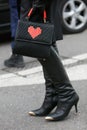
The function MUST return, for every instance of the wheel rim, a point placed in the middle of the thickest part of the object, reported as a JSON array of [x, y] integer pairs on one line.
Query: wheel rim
[[75, 14]]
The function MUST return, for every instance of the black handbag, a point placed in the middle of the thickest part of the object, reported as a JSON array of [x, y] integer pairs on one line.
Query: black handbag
[[33, 39]]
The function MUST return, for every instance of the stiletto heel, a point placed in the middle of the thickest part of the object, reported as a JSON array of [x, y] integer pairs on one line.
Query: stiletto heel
[[63, 110], [76, 109]]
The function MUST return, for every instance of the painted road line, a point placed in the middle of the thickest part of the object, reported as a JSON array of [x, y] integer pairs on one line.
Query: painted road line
[[5, 76], [30, 71], [34, 75], [75, 73], [80, 57], [39, 68], [69, 61], [65, 62], [75, 59]]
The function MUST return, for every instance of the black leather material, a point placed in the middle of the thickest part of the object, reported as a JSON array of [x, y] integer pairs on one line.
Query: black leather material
[[67, 97], [38, 46], [39, 3], [63, 108], [50, 102], [51, 97], [55, 68]]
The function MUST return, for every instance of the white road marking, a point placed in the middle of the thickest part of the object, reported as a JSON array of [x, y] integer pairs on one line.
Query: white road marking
[[80, 57], [35, 75], [75, 59]]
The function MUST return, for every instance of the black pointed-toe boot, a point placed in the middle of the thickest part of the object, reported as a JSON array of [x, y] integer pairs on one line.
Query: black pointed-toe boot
[[51, 95], [50, 100], [67, 97]]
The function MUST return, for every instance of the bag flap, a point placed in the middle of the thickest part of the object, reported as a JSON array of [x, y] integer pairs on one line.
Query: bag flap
[[35, 32]]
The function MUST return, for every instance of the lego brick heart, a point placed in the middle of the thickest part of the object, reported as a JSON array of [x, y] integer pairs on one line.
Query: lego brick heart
[[34, 32]]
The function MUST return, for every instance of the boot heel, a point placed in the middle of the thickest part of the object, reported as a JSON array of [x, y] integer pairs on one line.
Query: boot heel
[[76, 109]]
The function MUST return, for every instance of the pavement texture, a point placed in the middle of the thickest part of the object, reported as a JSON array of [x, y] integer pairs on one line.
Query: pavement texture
[[22, 90], [17, 101]]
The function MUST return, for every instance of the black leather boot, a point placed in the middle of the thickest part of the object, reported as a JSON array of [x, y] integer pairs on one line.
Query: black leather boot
[[50, 100], [67, 97], [51, 96]]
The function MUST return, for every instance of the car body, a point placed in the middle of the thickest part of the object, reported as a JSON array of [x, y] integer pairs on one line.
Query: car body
[[4, 17], [73, 16]]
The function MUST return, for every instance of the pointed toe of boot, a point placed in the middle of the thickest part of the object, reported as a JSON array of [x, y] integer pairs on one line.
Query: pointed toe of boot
[[31, 113], [48, 118], [38, 112]]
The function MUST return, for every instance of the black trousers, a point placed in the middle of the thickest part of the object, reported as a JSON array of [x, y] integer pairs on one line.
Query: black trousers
[[18, 7]]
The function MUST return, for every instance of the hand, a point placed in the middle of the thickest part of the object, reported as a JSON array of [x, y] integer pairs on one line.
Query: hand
[[39, 4]]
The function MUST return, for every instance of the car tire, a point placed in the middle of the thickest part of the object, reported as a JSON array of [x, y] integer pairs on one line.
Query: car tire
[[73, 15]]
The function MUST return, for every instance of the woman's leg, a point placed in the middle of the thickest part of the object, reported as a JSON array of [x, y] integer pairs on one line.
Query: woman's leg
[[51, 97], [50, 100], [67, 97]]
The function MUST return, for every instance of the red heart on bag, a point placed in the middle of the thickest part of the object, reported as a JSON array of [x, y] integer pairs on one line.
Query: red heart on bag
[[34, 32]]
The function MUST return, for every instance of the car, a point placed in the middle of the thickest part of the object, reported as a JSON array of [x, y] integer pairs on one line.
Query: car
[[4, 17], [73, 15]]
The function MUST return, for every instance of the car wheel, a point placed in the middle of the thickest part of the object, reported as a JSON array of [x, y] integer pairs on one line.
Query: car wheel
[[74, 15]]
